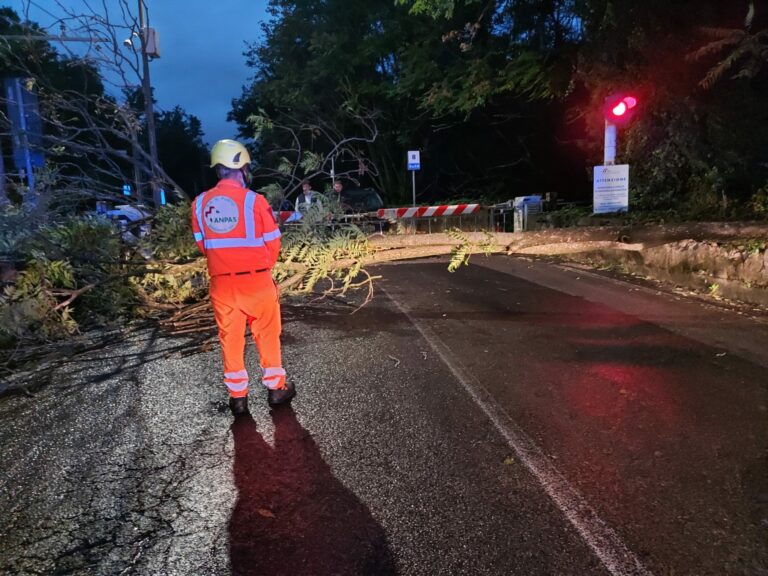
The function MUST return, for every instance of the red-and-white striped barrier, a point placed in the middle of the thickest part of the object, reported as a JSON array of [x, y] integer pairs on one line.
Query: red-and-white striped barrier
[[428, 211]]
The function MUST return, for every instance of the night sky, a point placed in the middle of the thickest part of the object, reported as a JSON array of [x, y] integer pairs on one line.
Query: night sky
[[202, 67]]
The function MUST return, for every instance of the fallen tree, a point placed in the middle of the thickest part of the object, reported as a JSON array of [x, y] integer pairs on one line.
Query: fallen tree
[[56, 298], [341, 262], [325, 261]]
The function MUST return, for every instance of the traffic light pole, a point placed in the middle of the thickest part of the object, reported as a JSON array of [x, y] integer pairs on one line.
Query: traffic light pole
[[618, 109], [609, 148]]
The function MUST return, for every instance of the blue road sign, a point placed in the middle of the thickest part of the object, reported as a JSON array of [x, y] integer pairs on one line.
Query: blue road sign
[[414, 160]]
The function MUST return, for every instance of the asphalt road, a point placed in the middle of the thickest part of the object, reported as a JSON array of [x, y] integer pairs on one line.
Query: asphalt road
[[512, 418]]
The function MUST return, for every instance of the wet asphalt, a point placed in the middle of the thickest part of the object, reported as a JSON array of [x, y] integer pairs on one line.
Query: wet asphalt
[[512, 418]]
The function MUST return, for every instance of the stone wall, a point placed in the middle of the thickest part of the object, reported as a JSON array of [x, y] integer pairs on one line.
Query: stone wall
[[736, 270]]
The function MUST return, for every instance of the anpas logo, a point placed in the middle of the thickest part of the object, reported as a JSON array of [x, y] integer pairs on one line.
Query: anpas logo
[[221, 214]]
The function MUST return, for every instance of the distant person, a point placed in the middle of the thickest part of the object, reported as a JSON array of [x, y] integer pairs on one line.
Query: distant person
[[235, 229], [307, 198], [338, 188]]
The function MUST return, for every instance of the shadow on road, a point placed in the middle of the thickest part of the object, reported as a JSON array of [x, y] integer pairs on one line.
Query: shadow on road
[[292, 516]]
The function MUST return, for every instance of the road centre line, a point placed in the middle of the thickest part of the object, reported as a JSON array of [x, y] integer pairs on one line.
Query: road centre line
[[607, 545]]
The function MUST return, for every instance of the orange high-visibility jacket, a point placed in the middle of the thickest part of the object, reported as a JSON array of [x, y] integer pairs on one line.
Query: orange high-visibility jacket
[[235, 229]]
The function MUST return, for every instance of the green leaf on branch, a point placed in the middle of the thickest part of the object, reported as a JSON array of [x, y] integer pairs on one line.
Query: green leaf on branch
[[433, 8], [311, 161], [285, 166], [460, 253], [271, 192]]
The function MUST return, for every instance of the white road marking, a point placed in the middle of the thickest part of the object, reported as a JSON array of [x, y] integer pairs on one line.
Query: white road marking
[[607, 545]]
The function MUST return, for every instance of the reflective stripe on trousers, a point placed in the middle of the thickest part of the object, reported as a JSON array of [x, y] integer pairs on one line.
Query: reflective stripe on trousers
[[236, 381], [274, 378], [250, 299]]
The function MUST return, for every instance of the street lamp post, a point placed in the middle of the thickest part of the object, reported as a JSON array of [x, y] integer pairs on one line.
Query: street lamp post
[[148, 104]]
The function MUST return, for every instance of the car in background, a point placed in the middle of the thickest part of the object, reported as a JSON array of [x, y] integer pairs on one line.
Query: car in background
[[360, 206], [132, 221], [360, 200]]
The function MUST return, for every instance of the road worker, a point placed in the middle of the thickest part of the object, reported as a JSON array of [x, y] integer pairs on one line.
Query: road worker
[[236, 231]]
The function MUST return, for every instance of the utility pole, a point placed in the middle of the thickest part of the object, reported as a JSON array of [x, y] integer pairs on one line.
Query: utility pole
[[609, 143], [136, 164], [149, 108]]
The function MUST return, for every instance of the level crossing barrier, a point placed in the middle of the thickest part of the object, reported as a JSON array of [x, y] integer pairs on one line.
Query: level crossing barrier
[[429, 211], [519, 209], [414, 215]]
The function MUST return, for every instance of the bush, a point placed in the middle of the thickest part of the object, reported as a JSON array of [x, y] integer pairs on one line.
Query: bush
[[759, 202], [15, 228], [174, 277], [171, 235], [702, 156], [29, 308], [566, 216], [73, 273]]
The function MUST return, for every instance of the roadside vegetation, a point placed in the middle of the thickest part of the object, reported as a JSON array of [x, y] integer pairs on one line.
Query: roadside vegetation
[[502, 98]]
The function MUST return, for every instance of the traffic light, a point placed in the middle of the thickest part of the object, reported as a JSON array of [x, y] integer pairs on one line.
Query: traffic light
[[619, 108]]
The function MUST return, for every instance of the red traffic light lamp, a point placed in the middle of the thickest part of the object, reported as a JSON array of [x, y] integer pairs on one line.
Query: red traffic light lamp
[[619, 108]]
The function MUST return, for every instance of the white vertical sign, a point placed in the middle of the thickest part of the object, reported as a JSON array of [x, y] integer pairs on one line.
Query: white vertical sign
[[610, 191], [414, 160]]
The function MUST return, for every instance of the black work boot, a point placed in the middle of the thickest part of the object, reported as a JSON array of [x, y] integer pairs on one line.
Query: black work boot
[[239, 406], [281, 395]]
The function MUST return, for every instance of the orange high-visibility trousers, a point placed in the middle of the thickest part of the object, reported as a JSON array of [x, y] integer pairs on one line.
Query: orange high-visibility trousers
[[253, 300]]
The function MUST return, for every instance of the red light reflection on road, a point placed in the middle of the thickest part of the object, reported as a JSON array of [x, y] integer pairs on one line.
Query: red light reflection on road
[[588, 318], [637, 341], [610, 391]]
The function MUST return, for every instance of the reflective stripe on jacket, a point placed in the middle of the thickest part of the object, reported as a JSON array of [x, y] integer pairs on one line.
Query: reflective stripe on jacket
[[235, 229]]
